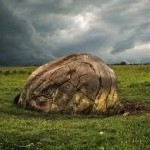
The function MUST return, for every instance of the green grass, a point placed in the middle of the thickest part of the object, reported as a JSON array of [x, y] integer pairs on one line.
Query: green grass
[[133, 82], [25, 129]]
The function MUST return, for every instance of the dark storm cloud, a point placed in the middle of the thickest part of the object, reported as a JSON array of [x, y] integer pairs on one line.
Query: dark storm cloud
[[17, 42], [12, 32], [34, 31]]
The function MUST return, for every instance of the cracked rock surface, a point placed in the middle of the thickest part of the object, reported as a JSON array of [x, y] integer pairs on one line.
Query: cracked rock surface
[[78, 83]]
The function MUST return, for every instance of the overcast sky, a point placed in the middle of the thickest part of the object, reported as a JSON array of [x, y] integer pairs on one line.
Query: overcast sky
[[36, 31]]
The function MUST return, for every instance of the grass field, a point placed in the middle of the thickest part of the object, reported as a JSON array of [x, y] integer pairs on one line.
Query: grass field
[[24, 129]]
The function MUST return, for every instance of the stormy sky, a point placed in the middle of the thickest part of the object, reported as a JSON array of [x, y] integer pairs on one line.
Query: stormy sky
[[36, 31]]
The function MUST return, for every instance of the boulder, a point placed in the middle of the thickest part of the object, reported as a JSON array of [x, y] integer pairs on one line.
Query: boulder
[[75, 84]]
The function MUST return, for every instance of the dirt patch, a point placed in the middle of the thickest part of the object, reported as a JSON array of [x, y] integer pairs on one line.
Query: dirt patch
[[130, 108]]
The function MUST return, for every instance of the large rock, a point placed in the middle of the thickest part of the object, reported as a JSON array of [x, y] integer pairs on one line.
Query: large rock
[[78, 83]]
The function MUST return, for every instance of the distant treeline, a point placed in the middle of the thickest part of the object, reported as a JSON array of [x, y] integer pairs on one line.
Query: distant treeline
[[37, 65], [10, 72], [22, 65], [124, 63]]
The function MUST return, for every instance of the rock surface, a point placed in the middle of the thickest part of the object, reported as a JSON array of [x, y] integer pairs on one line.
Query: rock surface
[[78, 83]]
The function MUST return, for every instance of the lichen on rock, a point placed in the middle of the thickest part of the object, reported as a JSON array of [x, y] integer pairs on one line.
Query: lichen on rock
[[78, 83]]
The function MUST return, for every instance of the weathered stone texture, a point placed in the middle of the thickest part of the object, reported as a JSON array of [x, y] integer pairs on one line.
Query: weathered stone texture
[[78, 83]]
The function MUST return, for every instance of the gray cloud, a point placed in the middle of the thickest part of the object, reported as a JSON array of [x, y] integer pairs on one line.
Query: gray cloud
[[18, 40], [35, 31]]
